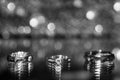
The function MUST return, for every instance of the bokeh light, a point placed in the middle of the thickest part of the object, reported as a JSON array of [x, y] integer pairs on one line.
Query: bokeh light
[[3, 1], [78, 3], [58, 46], [20, 11], [88, 45], [11, 6], [34, 22], [44, 42], [98, 29], [90, 15], [41, 19], [26, 43], [37, 21], [5, 34], [116, 51], [51, 26], [50, 31], [116, 6], [41, 54], [24, 30]]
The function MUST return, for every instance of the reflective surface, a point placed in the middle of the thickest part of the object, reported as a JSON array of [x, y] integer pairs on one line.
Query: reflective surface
[[45, 48]]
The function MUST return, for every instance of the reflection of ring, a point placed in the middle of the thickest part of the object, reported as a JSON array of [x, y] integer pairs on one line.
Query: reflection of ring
[[19, 56]]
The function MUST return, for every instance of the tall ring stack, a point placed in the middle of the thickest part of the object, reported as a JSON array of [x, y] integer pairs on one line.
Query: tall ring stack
[[100, 64], [20, 64], [57, 63]]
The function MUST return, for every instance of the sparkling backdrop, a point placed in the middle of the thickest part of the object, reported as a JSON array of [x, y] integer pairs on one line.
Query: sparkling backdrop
[[52, 27]]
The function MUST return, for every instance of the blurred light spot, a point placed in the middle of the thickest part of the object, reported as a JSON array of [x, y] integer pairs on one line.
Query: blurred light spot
[[26, 43], [77, 3], [34, 22], [50, 33], [11, 6], [58, 45], [44, 42], [51, 26], [20, 11], [5, 34], [116, 6], [35, 3], [41, 19], [27, 30], [3, 1], [90, 15], [116, 51], [41, 54], [12, 44], [88, 45], [24, 30], [37, 20], [99, 29]]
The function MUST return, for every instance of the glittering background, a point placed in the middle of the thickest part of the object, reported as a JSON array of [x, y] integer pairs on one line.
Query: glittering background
[[48, 27]]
